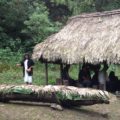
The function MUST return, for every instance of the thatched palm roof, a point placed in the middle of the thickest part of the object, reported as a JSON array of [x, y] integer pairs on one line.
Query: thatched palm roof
[[91, 38]]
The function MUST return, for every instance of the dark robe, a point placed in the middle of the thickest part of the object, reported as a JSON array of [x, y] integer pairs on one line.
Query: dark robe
[[29, 64]]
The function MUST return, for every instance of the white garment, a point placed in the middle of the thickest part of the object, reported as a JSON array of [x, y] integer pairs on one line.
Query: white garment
[[27, 78], [25, 64], [102, 77]]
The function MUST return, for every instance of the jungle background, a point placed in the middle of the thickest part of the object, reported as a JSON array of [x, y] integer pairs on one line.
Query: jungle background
[[24, 23]]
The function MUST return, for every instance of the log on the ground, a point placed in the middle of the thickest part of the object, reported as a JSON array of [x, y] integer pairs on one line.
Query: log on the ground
[[63, 95]]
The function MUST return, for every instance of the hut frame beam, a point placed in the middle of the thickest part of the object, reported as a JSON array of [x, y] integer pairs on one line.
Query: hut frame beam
[[61, 71], [46, 73]]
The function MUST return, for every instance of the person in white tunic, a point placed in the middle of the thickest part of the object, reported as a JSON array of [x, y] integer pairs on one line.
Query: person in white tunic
[[27, 65], [103, 77]]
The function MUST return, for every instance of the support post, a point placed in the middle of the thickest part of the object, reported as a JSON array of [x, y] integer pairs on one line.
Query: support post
[[79, 71], [61, 70], [46, 73]]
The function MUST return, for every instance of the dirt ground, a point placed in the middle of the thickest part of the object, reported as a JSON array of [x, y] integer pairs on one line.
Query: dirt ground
[[17, 111]]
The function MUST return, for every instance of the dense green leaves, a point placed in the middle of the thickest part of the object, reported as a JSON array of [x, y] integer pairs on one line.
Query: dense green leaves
[[78, 6], [17, 90], [39, 25], [24, 23]]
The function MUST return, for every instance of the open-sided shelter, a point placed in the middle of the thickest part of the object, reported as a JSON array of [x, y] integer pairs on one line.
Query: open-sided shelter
[[91, 38]]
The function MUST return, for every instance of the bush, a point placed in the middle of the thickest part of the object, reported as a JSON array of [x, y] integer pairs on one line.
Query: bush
[[9, 57]]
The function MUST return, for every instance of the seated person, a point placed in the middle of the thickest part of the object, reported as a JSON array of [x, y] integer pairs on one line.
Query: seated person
[[112, 84], [84, 76], [65, 75], [95, 82]]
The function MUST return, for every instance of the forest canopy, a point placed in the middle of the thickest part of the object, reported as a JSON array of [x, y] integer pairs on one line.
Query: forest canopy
[[24, 23]]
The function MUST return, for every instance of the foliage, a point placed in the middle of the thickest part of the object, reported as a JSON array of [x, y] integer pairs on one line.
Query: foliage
[[112, 4], [12, 15], [17, 90], [29, 16], [23, 23], [6, 55], [77, 96], [39, 25], [79, 6]]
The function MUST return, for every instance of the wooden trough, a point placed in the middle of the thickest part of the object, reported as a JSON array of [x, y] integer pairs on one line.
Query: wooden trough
[[62, 95]]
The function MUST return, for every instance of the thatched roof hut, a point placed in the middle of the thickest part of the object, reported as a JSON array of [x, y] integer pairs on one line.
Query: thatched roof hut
[[88, 38]]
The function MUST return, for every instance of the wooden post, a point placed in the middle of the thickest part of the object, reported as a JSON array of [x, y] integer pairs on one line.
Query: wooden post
[[79, 84], [46, 73], [79, 70], [61, 70]]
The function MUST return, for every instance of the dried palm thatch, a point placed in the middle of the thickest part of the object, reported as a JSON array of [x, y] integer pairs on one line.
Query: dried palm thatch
[[63, 95], [89, 38]]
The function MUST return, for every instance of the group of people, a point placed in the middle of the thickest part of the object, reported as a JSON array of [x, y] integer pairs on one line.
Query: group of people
[[99, 78], [93, 76]]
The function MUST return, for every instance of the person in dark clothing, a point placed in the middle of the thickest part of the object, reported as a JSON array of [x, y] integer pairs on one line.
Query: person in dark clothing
[[112, 84], [84, 76], [27, 64], [65, 72], [65, 75], [95, 82]]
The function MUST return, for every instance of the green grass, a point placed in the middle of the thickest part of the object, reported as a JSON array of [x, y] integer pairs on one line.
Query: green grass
[[13, 74]]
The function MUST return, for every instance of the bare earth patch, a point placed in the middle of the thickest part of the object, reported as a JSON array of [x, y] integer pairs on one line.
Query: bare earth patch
[[43, 112]]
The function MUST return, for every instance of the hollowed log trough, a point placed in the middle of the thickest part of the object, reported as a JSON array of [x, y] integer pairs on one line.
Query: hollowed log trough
[[62, 95]]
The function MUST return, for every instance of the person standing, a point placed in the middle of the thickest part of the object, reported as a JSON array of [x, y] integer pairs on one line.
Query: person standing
[[27, 64], [103, 77]]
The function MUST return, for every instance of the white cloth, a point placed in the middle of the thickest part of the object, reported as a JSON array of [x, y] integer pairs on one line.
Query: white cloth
[[102, 77], [26, 64], [27, 78]]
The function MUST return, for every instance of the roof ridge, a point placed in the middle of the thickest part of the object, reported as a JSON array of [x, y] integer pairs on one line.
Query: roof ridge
[[96, 14]]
